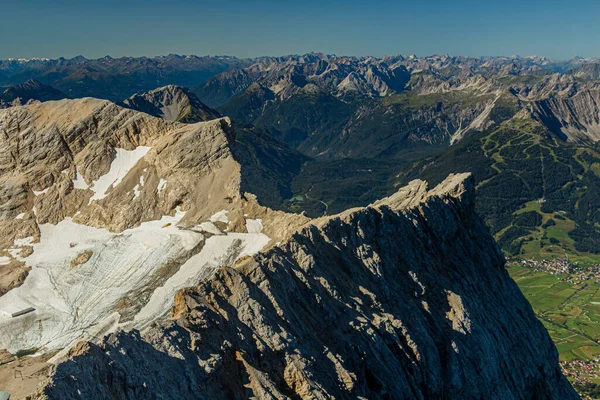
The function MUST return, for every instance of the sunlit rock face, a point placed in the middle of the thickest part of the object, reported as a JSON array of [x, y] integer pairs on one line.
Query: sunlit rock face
[[106, 212], [407, 298]]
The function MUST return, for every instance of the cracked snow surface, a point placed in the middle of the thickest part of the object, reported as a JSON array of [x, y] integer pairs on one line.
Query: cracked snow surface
[[74, 300]]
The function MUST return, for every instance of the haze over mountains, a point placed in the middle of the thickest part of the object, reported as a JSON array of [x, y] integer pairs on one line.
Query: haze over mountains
[[124, 181]]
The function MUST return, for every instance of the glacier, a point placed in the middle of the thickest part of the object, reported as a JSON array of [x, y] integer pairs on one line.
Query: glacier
[[85, 300]]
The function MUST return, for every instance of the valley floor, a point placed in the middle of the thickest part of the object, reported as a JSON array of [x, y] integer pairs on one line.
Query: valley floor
[[567, 301]]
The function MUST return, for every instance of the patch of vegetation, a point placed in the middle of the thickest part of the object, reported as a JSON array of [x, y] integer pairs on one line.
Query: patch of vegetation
[[293, 120], [522, 79], [331, 187], [268, 166], [512, 239], [590, 389], [530, 219], [416, 100]]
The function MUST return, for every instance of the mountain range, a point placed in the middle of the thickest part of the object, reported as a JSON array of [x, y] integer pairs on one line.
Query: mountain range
[[29, 90], [355, 126], [115, 78], [307, 226]]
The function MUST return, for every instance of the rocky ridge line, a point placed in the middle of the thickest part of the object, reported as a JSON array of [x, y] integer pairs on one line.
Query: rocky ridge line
[[406, 298]]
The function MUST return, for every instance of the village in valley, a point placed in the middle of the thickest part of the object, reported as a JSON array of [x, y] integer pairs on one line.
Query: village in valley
[[573, 272], [565, 296]]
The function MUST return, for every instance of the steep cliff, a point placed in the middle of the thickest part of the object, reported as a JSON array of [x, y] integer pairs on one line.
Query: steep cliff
[[407, 298]]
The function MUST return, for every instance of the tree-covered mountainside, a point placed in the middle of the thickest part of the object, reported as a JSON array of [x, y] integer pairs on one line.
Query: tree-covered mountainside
[[539, 195], [268, 166], [403, 126], [526, 131], [291, 120]]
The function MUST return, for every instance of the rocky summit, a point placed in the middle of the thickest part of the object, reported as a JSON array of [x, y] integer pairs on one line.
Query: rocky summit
[[172, 103], [406, 298]]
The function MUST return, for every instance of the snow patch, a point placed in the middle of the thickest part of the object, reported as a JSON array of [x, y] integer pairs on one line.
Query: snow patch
[[79, 182], [41, 192], [4, 260], [137, 188], [254, 225], [20, 216], [83, 301], [123, 162], [28, 241], [208, 227], [161, 185], [221, 216], [70, 300], [217, 251], [15, 253]]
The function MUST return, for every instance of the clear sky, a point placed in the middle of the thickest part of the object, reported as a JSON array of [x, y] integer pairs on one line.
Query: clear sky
[[54, 28]]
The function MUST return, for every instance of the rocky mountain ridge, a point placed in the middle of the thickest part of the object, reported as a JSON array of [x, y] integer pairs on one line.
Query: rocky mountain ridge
[[332, 107], [30, 90], [341, 310]]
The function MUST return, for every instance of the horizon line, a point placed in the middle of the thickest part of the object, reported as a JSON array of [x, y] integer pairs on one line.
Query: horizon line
[[80, 56]]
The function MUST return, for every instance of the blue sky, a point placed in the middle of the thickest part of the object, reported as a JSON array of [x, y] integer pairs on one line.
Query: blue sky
[[42, 28]]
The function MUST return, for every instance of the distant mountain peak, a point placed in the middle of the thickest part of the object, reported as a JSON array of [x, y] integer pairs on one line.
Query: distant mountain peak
[[172, 103], [31, 89]]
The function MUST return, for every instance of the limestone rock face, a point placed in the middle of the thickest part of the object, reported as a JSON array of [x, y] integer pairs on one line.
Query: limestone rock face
[[52, 153], [106, 212], [110, 167], [407, 298], [574, 118]]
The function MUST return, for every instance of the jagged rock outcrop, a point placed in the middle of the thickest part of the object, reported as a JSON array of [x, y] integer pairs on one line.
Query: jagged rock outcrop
[[407, 298], [172, 103], [54, 154], [287, 76]]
